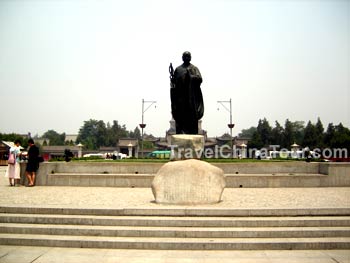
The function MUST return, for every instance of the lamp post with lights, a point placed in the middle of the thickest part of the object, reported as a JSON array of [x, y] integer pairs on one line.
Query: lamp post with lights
[[142, 124], [230, 125]]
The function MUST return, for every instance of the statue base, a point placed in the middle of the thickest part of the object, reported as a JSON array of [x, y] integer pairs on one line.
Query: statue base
[[186, 146]]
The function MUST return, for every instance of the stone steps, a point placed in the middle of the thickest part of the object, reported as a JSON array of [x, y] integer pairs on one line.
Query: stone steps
[[177, 221], [176, 228], [145, 180], [178, 232], [178, 211], [176, 243]]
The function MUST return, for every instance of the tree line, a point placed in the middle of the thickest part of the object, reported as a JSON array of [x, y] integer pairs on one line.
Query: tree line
[[93, 134], [11, 137], [312, 135], [96, 133]]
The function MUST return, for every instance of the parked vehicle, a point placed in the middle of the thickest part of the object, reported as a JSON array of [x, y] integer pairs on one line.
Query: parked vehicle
[[165, 154], [97, 155]]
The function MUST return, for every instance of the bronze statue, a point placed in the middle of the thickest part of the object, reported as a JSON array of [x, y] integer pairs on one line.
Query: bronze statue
[[187, 105]]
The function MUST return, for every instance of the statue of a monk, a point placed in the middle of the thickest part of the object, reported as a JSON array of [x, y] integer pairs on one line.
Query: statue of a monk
[[187, 105]]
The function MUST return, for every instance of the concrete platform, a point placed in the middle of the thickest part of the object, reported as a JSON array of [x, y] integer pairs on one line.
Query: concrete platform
[[314, 211], [232, 180], [251, 175]]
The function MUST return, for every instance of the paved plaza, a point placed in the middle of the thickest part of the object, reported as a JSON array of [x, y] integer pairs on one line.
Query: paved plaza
[[104, 197], [59, 255]]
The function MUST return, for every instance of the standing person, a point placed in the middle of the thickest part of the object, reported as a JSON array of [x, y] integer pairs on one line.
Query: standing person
[[13, 171], [33, 162]]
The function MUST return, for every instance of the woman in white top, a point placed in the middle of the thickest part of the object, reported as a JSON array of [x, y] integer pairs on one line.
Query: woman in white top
[[13, 171]]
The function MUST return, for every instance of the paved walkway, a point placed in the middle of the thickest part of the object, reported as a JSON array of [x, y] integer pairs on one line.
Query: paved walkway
[[104, 197], [110, 197], [80, 255]]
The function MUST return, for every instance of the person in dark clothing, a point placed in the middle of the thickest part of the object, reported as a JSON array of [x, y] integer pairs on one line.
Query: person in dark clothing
[[33, 162], [68, 155]]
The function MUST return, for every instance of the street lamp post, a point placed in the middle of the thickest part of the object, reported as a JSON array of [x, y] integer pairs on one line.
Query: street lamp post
[[230, 125], [142, 124]]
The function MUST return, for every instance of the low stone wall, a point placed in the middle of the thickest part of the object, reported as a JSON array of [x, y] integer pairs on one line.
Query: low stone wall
[[50, 168], [101, 167], [335, 168], [269, 167], [245, 174], [152, 168]]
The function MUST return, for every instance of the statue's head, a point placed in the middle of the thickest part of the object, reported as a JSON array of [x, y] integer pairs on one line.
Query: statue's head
[[186, 57]]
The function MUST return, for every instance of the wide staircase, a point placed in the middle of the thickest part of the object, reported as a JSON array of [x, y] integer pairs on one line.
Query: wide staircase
[[177, 228], [183, 228]]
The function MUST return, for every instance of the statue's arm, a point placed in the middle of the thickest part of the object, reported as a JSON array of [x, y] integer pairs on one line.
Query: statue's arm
[[195, 74]]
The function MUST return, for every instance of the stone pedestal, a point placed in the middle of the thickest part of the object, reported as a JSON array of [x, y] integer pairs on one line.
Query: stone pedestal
[[188, 182], [186, 146]]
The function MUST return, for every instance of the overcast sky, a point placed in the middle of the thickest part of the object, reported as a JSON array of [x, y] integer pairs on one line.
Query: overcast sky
[[64, 62]]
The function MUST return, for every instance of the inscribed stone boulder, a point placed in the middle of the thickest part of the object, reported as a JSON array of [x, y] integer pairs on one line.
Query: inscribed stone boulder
[[188, 182]]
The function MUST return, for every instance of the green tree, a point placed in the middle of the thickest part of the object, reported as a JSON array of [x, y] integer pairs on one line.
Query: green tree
[[277, 134], [54, 137], [293, 132], [328, 136], [319, 133], [256, 141], [247, 133], [109, 135], [288, 135], [265, 132], [148, 145], [298, 131], [341, 137], [11, 137], [70, 143], [93, 134], [118, 132], [101, 134], [135, 134], [310, 136]]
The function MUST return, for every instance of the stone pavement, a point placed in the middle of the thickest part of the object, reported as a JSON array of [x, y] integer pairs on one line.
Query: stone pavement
[[80, 255], [104, 197]]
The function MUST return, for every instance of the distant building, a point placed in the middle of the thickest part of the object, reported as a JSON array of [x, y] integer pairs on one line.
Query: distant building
[[71, 138], [42, 141], [50, 152], [125, 144]]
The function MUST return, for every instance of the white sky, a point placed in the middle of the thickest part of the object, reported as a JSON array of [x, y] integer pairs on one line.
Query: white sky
[[64, 62]]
